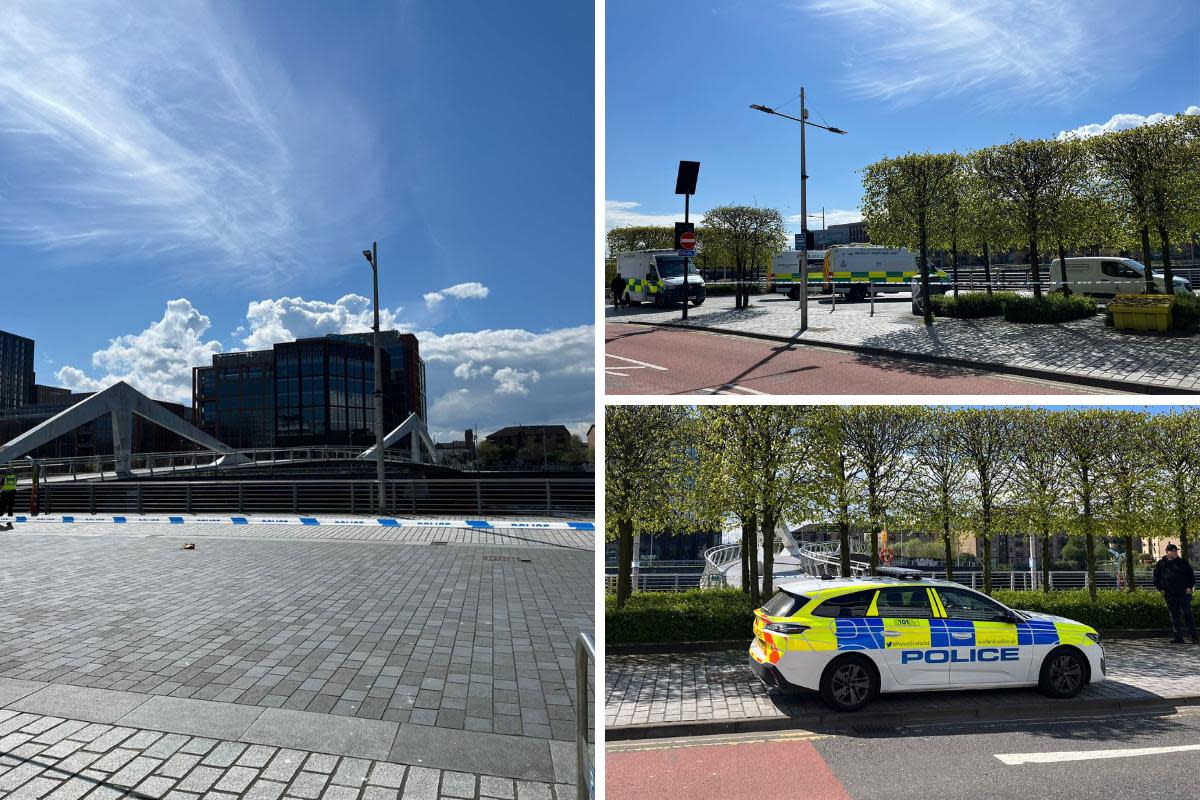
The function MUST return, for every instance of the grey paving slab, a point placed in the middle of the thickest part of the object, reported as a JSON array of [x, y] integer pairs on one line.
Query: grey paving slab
[[193, 717], [12, 689], [79, 702], [489, 753], [303, 730]]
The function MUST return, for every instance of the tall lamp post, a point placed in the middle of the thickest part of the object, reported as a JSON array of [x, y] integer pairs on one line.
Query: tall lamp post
[[372, 257], [803, 120]]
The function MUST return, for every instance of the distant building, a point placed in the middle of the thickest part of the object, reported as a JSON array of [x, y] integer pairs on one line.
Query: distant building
[[54, 396], [458, 454], [93, 438], [16, 370], [309, 392], [844, 233], [553, 438]]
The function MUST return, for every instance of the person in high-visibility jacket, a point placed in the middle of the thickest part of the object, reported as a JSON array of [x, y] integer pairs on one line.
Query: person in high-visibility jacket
[[8, 493]]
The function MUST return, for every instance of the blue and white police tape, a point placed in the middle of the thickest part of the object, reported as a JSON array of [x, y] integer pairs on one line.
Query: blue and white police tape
[[380, 522]]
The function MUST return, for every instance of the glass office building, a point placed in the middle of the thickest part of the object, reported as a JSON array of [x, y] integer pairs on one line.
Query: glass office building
[[310, 392], [16, 370]]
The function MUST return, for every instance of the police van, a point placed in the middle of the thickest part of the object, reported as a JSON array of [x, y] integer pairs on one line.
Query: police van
[[851, 638], [656, 276]]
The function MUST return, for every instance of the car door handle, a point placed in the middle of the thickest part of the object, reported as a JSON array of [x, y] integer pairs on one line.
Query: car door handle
[[891, 633], [962, 635]]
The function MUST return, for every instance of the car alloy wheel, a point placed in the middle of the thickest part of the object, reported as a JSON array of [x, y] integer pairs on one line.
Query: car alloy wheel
[[850, 684], [1066, 673]]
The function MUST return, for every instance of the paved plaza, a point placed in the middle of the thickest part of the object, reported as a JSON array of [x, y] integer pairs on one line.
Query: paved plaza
[[1082, 349], [718, 687], [433, 647]]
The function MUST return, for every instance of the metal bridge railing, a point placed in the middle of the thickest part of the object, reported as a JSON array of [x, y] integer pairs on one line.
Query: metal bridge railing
[[659, 582], [585, 761], [403, 496]]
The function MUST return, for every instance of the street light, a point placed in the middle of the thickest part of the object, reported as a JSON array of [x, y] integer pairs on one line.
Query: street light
[[372, 257], [803, 120]]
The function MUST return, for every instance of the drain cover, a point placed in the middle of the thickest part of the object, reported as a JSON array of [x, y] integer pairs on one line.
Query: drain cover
[[431, 544], [507, 558]]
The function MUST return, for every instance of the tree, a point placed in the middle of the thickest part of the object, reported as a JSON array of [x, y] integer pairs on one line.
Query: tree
[[879, 441], [986, 218], [639, 237], [835, 486], [984, 439], [644, 472], [1030, 176], [1085, 437], [903, 201], [743, 236], [950, 229], [1174, 441], [1038, 483], [1126, 481], [937, 488]]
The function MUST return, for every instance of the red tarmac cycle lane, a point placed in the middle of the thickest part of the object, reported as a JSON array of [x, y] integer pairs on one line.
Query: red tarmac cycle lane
[[771, 770], [646, 360]]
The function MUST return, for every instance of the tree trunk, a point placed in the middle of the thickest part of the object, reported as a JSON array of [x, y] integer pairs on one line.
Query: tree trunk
[[1168, 273], [954, 261], [987, 565], [1089, 540], [755, 587], [987, 267], [1046, 553], [768, 537], [1035, 267], [624, 561], [1062, 261], [1147, 259], [745, 558], [875, 528], [927, 307], [1129, 580], [946, 535]]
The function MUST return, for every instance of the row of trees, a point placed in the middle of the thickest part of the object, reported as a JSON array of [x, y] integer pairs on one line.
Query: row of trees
[[1095, 474], [1115, 191]]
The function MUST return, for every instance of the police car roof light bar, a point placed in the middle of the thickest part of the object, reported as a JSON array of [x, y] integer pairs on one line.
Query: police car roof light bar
[[899, 572]]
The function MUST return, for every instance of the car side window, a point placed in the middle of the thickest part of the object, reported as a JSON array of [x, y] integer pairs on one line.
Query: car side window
[[1110, 268], [904, 601], [854, 604], [965, 604]]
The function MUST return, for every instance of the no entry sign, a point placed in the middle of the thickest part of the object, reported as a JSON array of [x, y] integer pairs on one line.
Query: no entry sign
[[687, 240]]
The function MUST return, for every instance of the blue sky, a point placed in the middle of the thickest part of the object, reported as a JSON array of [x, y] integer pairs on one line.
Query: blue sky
[[187, 178], [899, 76]]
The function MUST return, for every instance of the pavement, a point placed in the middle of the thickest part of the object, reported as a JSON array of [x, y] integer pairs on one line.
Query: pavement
[[649, 696], [667, 361], [1081, 351], [444, 650]]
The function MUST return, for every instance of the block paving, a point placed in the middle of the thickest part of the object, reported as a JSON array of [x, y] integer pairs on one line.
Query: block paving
[[63, 759], [1081, 348]]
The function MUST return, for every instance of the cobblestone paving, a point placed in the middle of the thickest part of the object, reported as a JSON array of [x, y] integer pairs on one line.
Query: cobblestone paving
[[467, 638], [1079, 348], [524, 537], [691, 687], [64, 759]]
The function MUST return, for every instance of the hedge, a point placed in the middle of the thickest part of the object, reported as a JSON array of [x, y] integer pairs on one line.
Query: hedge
[[700, 615], [1052, 307], [970, 305]]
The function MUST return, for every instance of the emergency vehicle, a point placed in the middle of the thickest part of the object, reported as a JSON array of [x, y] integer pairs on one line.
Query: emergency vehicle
[[657, 276], [785, 272], [852, 638], [853, 269]]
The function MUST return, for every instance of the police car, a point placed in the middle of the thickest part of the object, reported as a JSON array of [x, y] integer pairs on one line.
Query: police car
[[852, 638]]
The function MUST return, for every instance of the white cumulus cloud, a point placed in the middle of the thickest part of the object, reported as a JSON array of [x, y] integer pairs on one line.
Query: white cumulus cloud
[[286, 318], [513, 381], [1121, 122], [157, 361], [473, 290], [623, 213]]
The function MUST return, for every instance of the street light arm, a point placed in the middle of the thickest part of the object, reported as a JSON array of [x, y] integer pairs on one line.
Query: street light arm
[[767, 110]]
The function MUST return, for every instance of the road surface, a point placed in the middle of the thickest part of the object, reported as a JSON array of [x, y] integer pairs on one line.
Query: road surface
[[1136, 756], [646, 360]]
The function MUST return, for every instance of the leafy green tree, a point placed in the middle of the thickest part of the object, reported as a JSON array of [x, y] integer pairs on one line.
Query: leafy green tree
[[1038, 480], [987, 219], [743, 237], [646, 468], [836, 488], [1127, 482], [903, 202], [879, 442], [985, 439], [1086, 440], [1030, 176], [640, 237], [1174, 441], [937, 488]]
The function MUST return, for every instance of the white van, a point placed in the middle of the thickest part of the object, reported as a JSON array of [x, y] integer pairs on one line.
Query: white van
[[1109, 276], [657, 276]]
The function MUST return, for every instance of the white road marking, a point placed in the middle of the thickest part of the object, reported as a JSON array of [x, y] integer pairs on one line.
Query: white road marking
[[632, 364], [731, 388], [1014, 759]]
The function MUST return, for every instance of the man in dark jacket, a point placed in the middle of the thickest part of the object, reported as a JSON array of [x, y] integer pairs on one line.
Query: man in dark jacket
[[1173, 576], [618, 290]]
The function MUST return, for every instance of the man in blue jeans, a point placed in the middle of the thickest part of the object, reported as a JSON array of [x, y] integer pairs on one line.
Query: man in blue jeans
[[1173, 576]]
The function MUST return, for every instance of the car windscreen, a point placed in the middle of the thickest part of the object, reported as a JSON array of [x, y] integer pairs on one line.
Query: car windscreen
[[784, 604], [672, 266]]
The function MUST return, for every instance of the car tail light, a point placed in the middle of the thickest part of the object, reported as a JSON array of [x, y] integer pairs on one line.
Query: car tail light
[[786, 627]]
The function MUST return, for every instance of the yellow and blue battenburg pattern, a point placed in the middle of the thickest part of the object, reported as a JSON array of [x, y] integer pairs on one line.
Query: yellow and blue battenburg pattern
[[640, 284]]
